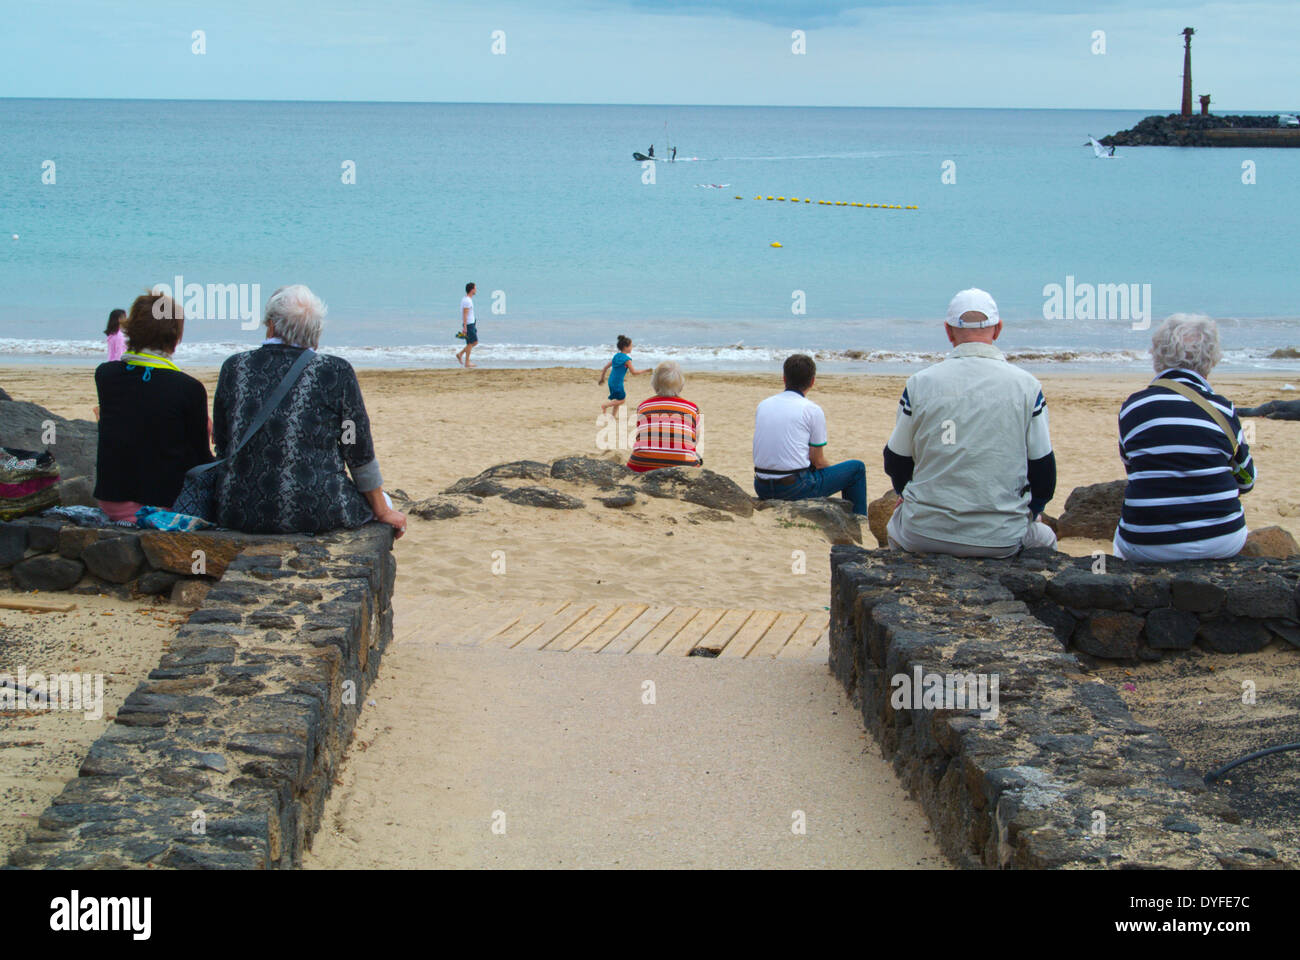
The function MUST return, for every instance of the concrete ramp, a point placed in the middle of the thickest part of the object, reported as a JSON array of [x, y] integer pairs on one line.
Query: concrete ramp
[[482, 749]]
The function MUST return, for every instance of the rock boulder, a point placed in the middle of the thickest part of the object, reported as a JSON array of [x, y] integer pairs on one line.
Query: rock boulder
[[698, 486], [589, 470], [619, 498], [1092, 511], [175, 551], [117, 560], [879, 511], [26, 425], [1270, 542], [543, 497], [47, 572], [480, 486], [435, 508], [840, 525]]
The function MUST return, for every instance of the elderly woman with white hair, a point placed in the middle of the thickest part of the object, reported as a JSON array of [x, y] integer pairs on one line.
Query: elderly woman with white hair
[[1186, 458], [290, 477], [667, 425]]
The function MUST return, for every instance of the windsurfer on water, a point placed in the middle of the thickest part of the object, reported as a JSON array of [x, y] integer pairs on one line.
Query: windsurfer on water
[[652, 151]]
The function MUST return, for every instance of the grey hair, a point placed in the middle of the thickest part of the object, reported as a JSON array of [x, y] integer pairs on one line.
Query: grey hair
[[1189, 341], [667, 380], [296, 315]]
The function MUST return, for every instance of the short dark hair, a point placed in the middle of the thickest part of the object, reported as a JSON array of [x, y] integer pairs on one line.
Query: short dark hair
[[624, 342], [114, 322], [799, 371], [155, 323], [469, 287]]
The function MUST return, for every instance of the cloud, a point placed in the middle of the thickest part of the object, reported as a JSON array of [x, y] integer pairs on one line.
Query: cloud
[[778, 12]]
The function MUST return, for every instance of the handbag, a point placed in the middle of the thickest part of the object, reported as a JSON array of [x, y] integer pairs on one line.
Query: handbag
[[1183, 390], [198, 492]]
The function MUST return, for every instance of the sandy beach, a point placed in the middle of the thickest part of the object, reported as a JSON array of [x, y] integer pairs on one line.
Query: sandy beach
[[434, 427], [40, 749]]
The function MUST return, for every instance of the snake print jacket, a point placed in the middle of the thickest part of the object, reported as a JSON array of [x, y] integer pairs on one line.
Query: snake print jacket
[[290, 477]]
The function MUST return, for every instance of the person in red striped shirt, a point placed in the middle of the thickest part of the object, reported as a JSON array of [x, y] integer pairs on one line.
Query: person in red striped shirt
[[667, 426]]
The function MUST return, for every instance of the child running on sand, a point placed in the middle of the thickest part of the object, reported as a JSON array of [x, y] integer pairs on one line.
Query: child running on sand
[[618, 368]]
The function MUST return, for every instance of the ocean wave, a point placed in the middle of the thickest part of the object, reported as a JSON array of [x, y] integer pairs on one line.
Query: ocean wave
[[736, 355]]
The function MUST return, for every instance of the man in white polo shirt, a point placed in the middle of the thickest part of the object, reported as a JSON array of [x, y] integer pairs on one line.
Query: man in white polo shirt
[[468, 328], [790, 446], [971, 455]]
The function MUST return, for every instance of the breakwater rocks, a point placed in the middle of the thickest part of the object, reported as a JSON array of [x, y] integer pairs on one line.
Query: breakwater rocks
[[1058, 773], [1175, 130], [224, 756]]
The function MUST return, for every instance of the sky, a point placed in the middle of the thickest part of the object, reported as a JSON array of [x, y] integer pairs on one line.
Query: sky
[[922, 53]]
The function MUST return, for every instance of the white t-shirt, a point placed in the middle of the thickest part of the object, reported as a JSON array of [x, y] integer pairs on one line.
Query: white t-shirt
[[785, 426], [970, 423], [466, 303]]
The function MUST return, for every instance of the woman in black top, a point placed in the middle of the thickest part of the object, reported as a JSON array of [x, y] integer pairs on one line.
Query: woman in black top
[[153, 419], [292, 476]]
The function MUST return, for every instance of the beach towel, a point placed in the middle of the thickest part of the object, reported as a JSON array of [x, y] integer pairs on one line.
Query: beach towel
[[81, 516], [28, 482], [155, 518]]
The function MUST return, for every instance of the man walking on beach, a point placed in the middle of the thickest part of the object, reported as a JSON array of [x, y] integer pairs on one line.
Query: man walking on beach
[[971, 455], [790, 446], [467, 325]]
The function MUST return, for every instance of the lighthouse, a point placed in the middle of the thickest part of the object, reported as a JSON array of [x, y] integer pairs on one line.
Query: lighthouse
[[1187, 71]]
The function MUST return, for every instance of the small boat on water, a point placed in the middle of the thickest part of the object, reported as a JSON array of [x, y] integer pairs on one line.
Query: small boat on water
[[640, 157], [670, 152]]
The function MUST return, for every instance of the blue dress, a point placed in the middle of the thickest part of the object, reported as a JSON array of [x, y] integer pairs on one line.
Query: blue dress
[[617, 372]]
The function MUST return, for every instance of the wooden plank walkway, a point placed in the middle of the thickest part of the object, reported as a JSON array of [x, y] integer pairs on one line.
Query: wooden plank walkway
[[614, 627]]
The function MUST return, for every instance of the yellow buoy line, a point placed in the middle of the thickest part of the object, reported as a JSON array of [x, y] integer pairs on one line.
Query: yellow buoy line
[[839, 203]]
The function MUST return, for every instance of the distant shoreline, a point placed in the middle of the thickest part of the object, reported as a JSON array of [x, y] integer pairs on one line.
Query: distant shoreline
[[1041, 370]]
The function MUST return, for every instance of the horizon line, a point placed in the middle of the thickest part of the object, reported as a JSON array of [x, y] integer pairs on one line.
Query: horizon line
[[559, 103]]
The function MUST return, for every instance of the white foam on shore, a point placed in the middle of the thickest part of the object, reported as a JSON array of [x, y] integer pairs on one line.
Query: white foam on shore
[[733, 357]]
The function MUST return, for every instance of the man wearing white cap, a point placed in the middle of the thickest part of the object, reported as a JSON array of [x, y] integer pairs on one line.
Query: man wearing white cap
[[971, 455]]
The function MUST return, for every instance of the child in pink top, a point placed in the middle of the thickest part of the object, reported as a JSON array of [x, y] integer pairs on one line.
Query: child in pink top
[[116, 335]]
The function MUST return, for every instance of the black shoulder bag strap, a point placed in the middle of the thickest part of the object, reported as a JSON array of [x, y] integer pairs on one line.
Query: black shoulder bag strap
[[274, 400]]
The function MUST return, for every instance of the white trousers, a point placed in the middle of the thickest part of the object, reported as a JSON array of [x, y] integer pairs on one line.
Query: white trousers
[[1036, 535], [1215, 548]]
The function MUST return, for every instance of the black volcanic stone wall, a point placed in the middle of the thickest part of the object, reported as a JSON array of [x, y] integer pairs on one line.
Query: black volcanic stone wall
[[244, 721], [1025, 789]]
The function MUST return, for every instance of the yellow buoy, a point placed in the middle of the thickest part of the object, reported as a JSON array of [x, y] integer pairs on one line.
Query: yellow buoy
[[808, 201], [775, 244], [780, 198], [739, 197]]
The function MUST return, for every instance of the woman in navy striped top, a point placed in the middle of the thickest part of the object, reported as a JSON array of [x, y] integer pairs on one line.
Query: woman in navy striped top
[[1185, 474]]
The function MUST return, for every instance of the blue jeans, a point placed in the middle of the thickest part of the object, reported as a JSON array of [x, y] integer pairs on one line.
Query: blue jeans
[[848, 479]]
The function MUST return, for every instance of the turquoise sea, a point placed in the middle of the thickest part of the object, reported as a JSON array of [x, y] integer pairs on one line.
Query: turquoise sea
[[545, 208]]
